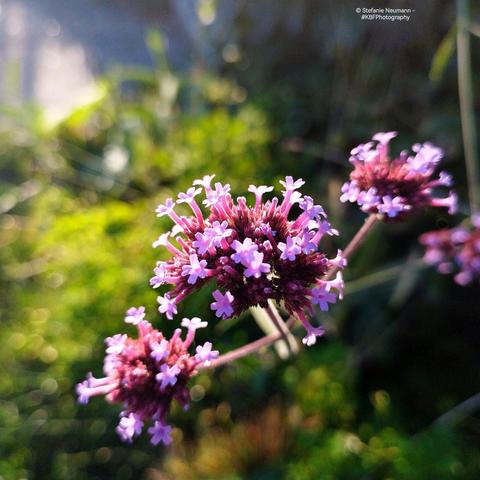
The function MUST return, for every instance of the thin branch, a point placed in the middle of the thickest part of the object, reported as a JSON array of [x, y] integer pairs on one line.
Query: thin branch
[[249, 348], [355, 242]]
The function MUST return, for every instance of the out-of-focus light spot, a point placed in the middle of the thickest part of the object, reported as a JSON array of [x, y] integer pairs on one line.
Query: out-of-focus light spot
[[239, 95], [49, 386], [231, 53], [103, 455], [353, 443], [207, 11], [115, 158], [206, 417], [205, 381], [36, 341], [98, 427], [197, 392], [294, 416], [55, 280], [294, 144], [39, 415], [40, 315], [52, 28], [17, 340], [48, 354], [9, 222], [223, 411], [380, 400]]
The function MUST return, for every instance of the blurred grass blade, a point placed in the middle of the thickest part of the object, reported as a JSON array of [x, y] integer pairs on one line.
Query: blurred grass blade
[[443, 55], [156, 45], [467, 110], [407, 280]]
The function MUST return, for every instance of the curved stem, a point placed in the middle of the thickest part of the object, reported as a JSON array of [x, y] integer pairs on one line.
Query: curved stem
[[355, 242], [249, 347], [244, 350]]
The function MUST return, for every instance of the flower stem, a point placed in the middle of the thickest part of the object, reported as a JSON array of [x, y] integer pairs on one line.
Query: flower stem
[[252, 347], [467, 113], [245, 350], [355, 242]]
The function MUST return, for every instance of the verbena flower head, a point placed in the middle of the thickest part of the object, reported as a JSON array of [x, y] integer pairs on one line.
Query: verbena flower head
[[398, 187], [455, 250], [253, 252], [146, 374]]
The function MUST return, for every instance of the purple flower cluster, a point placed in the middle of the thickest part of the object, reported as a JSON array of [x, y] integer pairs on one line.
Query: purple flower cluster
[[253, 253], [455, 250], [398, 187], [146, 374]]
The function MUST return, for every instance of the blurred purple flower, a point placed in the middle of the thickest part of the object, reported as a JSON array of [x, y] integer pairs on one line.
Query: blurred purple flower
[[398, 187], [455, 250]]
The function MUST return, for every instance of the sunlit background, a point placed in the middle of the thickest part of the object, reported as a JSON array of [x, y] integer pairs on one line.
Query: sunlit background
[[108, 107]]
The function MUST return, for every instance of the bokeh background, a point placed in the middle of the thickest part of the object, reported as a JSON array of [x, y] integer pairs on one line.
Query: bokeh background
[[108, 107]]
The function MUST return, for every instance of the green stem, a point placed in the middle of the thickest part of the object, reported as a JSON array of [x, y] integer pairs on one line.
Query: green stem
[[355, 242], [467, 112]]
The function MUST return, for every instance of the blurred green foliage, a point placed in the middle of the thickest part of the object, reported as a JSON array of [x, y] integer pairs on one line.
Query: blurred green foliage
[[77, 203]]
